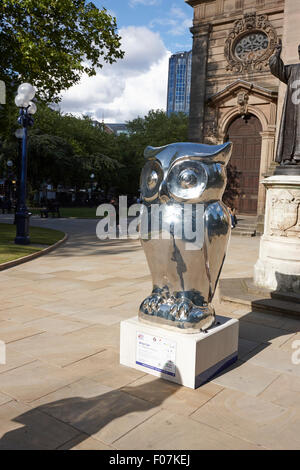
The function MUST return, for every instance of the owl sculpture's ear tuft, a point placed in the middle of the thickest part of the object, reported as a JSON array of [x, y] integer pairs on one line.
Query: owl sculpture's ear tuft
[[151, 152], [226, 152]]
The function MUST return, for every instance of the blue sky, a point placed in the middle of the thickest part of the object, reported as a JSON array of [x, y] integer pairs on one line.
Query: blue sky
[[171, 18], [151, 31]]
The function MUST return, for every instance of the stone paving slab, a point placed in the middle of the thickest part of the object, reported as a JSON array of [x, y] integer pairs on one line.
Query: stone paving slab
[[168, 431], [277, 360], [14, 359], [25, 429], [177, 399], [60, 350], [63, 386], [85, 442], [284, 391], [33, 380], [246, 377], [107, 415], [23, 314], [253, 419], [12, 331], [4, 399]]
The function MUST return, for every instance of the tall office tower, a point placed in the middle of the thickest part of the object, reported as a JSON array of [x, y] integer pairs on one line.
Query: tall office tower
[[179, 83]]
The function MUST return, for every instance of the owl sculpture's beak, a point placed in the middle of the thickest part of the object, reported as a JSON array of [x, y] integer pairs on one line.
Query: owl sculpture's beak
[[163, 193]]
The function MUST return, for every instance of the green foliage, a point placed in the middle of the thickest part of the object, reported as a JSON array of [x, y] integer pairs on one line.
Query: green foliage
[[65, 150], [232, 190], [155, 129], [158, 129], [51, 43]]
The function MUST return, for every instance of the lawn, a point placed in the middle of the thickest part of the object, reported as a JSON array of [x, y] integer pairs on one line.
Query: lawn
[[40, 238], [76, 212]]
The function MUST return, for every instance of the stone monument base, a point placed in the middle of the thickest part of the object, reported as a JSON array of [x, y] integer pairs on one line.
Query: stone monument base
[[244, 292], [278, 266], [186, 359]]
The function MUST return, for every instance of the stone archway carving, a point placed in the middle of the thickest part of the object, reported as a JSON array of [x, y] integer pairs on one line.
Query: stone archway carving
[[239, 99], [233, 113], [256, 32]]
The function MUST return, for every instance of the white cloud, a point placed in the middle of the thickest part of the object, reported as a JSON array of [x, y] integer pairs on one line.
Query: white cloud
[[177, 12], [176, 21], [133, 3], [128, 88]]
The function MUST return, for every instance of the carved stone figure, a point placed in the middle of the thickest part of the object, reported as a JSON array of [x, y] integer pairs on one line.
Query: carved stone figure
[[182, 187], [285, 218], [242, 101], [288, 149]]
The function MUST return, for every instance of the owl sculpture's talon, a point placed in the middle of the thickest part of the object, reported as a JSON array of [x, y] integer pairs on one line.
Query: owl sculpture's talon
[[151, 304], [155, 302], [145, 306], [174, 312], [183, 310]]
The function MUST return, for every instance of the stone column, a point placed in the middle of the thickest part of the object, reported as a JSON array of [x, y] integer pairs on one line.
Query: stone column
[[267, 152], [278, 266], [198, 83]]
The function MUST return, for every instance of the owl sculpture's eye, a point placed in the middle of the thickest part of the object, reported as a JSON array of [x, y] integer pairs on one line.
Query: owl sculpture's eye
[[151, 178], [187, 180]]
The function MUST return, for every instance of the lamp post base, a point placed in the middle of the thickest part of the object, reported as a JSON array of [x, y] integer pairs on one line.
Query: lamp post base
[[22, 224]]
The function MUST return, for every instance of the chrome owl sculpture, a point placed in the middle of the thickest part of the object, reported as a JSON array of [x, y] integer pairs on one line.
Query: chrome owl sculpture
[[185, 230]]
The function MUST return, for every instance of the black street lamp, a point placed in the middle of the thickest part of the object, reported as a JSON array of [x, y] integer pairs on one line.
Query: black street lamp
[[19, 135], [9, 165], [92, 176], [26, 93]]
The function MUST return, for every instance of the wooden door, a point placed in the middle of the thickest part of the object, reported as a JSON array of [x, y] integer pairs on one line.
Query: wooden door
[[246, 139]]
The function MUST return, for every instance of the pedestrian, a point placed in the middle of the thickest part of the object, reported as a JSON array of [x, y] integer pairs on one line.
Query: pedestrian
[[232, 216]]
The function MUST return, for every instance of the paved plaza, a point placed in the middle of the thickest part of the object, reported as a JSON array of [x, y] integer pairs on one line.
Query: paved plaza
[[62, 386]]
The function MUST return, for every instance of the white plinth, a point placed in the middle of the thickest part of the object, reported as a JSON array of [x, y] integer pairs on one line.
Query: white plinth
[[187, 359]]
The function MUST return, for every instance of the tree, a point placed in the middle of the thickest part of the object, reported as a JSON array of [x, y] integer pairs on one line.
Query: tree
[[156, 129], [64, 149], [232, 190], [51, 43]]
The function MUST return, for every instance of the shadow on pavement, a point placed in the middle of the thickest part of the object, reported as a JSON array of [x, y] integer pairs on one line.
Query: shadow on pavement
[[86, 415]]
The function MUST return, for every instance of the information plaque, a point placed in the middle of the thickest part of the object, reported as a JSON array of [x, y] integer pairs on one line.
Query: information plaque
[[156, 353]]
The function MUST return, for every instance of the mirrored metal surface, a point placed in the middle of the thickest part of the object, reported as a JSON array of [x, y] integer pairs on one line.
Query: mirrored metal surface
[[185, 232]]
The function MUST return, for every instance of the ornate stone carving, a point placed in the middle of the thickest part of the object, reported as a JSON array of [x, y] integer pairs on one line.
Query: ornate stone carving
[[211, 132], [242, 101], [250, 44], [285, 216]]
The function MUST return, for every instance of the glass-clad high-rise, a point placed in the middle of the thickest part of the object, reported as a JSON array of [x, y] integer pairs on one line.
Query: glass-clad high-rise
[[179, 83]]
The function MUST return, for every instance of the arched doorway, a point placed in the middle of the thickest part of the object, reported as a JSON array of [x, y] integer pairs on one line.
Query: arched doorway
[[245, 135]]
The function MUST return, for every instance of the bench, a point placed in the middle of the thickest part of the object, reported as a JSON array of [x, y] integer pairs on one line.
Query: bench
[[53, 210]]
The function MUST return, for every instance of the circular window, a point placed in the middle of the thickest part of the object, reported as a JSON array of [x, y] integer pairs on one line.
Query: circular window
[[252, 46]]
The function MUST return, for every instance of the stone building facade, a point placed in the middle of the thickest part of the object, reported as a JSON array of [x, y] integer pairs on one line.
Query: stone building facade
[[232, 43]]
